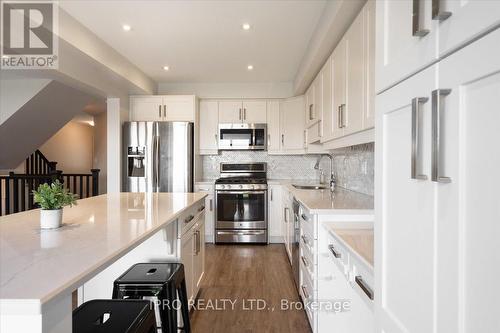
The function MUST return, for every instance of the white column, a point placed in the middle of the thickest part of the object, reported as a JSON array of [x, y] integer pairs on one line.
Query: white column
[[114, 135]]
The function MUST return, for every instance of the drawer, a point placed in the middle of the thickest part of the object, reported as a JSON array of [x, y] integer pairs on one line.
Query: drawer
[[205, 188], [339, 254], [307, 294], [307, 222], [191, 217], [307, 263], [361, 279], [309, 246]]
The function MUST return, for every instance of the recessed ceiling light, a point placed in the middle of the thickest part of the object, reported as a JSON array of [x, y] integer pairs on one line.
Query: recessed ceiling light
[[249, 67], [245, 26], [166, 68], [126, 27]]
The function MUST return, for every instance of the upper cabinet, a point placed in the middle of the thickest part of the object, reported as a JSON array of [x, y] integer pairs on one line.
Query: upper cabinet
[[209, 120], [163, 108], [285, 126], [273, 127], [242, 111], [413, 34]]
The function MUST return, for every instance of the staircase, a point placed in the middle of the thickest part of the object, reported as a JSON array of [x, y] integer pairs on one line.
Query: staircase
[[16, 190]]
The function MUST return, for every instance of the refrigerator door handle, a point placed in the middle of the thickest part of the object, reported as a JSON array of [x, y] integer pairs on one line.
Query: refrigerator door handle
[[157, 163]]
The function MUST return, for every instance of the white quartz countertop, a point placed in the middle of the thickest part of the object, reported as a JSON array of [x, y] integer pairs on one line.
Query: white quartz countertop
[[39, 265], [325, 202]]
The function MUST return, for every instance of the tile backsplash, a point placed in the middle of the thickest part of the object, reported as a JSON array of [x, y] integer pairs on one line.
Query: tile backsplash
[[354, 166]]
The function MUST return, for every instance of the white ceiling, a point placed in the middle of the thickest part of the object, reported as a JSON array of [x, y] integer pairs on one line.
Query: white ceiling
[[202, 41]]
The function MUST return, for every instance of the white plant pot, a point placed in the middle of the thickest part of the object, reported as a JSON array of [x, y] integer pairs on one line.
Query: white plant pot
[[50, 219]]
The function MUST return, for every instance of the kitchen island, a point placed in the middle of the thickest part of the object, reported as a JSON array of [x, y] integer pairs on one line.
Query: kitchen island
[[100, 238]]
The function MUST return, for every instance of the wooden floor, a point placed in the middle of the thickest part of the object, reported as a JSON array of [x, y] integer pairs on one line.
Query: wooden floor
[[240, 273]]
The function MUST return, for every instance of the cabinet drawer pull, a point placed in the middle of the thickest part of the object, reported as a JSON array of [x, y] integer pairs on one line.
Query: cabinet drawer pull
[[286, 214], [240, 114], [304, 217], [159, 111], [415, 136], [211, 205], [436, 13], [304, 260], [437, 108], [311, 116], [362, 284], [202, 208], [417, 31], [164, 111], [189, 219], [304, 239], [282, 139], [334, 252], [304, 291], [244, 113]]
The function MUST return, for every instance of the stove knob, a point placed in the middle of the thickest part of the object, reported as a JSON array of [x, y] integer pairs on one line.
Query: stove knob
[[253, 187], [223, 186], [241, 186]]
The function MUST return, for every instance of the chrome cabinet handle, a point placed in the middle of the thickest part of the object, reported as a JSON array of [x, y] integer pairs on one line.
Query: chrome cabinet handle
[[304, 260], [342, 115], [415, 136], [362, 284], [164, 111], [304, 239], [417, 31], [245, 113], [211, 205], [436, 13], [271, 194], [304, 217], [333, 251], [339, 118], [437, 107], [304, 291], [189, 219], [286, 214], [240, 114], [311, 117], [282, 139], [159, 111], [269, 140]]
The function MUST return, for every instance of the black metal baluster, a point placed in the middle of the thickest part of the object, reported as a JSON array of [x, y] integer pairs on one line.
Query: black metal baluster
[[87, 185]]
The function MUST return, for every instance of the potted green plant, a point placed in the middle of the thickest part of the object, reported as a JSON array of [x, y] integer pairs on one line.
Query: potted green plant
[[52, 198]]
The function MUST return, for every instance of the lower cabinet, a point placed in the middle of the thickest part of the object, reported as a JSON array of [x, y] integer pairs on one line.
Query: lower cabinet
[[192, 252], [208, 188], [275, 213]]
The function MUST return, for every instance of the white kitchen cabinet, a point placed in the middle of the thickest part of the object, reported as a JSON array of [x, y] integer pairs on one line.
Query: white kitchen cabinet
[[198, 254], [292, 125], [187, 245], [314, 99], [355, 76], [468, 20], [230, 111], [339, 89], [406, 39], [275, 211], [209, 209], [146, 108], [309, 106], [273, 127], [369, 65], [242, 111], [209, 127], [254, 111], [445, 222], [287, 224], [163, 108], [327, 101]]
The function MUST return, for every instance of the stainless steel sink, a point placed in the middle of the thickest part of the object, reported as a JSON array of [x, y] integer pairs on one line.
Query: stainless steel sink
[[309, 187]]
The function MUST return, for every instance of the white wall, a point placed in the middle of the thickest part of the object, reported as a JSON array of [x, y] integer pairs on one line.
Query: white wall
[[229, 90]]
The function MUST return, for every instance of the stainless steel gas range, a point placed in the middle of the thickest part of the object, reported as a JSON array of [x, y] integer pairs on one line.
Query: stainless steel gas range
[[241, 201]]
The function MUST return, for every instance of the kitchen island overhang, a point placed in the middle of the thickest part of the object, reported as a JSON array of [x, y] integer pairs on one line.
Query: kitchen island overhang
[[100, 239]]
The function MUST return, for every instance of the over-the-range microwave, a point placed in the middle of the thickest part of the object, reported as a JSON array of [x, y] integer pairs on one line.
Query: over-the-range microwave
[[242, 136]]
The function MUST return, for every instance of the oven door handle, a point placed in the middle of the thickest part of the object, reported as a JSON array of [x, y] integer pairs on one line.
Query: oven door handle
[[241, 192]]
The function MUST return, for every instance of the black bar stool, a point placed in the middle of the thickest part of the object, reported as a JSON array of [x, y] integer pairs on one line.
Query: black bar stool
[[164, 281], [114, 316]]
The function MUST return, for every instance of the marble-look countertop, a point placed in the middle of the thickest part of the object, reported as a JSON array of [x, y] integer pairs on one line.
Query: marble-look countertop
[[39, 265], [356, 236], [324, 202]]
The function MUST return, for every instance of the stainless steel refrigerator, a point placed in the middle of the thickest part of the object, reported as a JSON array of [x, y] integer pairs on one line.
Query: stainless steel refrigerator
[[158, 156]]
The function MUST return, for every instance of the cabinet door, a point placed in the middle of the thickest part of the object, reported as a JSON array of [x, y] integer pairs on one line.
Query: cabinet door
[[467, 207], [209, 126], [179, 108], [400, 50], [254, 112], [355, 80], [309, 109], [327, 99], [468, 19], [147, 108], [286, 208], [292, 125], [273, 127], [230, 111], [275, 214], [318, 98], [405, 228], [187, 247], [369, 64], [199, 256], [339, 87]]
